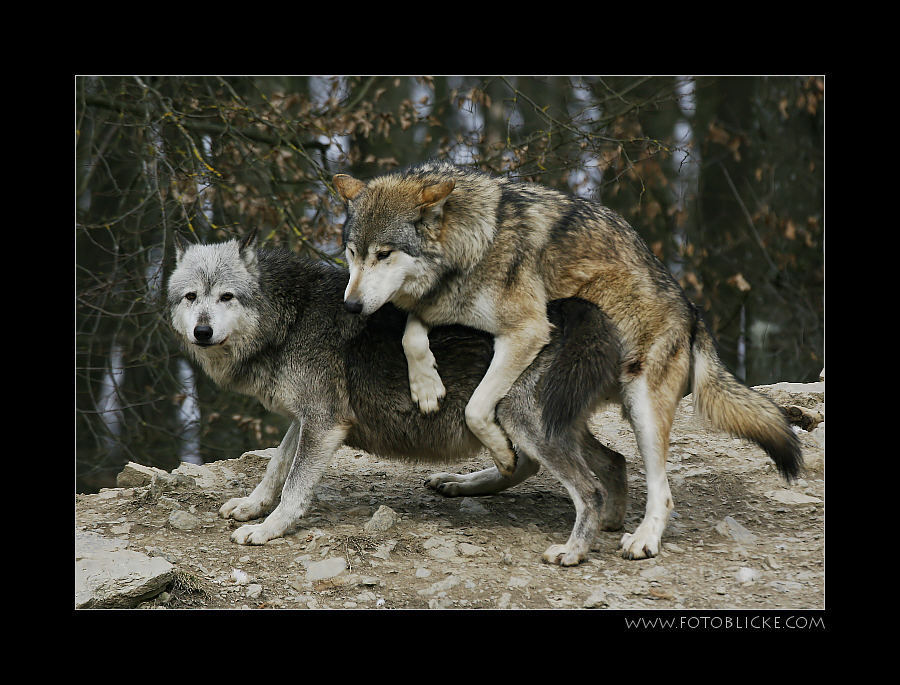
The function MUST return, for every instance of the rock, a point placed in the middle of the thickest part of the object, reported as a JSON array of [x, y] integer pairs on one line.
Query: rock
[[730, 528], [107, 575], [202, 475], [240, 577], [791, 497], [381, 520], [441, 585], [183, 521], [468, 550], [422, 572], [596, 600], [327, 568], [384, 550], [472, 506], [253, 591], [136, 475], [746, 575], [784, 585], [653, 573]]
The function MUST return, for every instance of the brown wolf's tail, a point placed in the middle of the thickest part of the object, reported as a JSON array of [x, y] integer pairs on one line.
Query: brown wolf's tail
[[734, 408]]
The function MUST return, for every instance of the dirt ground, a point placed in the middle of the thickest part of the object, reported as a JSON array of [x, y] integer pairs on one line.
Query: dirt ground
[[470, 553]]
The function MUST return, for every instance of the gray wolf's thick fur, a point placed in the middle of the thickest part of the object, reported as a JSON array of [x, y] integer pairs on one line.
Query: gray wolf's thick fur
[[452, 245], [271, 325]]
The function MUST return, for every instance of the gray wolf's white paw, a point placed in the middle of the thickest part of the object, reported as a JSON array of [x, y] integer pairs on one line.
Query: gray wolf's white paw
[[642, 544], [564, 555], [243, 509], [255, 534], [447, 484], [426, 387]]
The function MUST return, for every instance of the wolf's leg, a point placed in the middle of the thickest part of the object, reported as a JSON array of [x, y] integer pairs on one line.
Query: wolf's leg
[[486, 482], [263, 498], [425, 384], [609, 466], [650, 411], [572, 471], [316, 446], [513, 352]]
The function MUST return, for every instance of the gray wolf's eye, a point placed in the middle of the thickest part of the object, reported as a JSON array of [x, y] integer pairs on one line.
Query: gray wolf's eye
[[384, 254], [226, 296], [190, 297]]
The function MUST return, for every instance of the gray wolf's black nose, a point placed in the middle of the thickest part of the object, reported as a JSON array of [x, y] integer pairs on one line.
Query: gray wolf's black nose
[[203, 333], [353, 306]]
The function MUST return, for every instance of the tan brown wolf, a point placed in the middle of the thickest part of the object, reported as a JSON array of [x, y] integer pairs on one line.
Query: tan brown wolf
[[452, 245]]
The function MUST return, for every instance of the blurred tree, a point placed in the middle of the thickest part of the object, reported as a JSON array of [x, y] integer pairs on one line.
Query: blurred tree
[[721, 176]]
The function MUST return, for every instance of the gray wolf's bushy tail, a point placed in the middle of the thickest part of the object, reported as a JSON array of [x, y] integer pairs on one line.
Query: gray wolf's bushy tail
[[585, 359], [731, 406]]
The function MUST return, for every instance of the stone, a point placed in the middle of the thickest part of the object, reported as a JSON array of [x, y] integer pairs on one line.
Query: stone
[[253, 591], [441, 585], [596, 600], [107, 575], [327, 568], [468, 550], [182, 520], [472, 506], [202, 475], [730, 528], [136, 475], [791, 497], [746, 575], [382, 520]]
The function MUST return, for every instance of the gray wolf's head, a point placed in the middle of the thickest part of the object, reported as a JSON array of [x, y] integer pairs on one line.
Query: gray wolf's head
[[210, 295], [389, 222]]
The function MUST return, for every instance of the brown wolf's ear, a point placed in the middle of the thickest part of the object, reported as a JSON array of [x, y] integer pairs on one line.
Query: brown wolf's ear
[[347, 186], [434, 195]]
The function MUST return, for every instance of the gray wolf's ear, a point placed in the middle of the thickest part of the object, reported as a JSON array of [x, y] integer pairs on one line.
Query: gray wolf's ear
[[434, 195], [247, 250], [347, 186], [180, 246]]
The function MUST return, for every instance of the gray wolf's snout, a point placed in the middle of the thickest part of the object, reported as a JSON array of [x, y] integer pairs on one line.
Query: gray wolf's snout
[[203, 334], [353, 305]]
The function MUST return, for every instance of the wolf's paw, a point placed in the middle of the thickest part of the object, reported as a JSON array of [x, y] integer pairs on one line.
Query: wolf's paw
[[447, 484], [255, 534], [563, 555], [243, 509], [642, 544], [426, 387]]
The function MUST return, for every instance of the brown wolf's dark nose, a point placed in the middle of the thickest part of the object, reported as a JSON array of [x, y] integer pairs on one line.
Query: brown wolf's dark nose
[[353, 306], [203, 333]]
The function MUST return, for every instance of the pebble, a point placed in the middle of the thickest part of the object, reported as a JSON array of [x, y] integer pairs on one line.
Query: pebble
[[253, 591], [183, 521], [596, 600], [327, 568], [746, 575], [734, 530], [382, 520]]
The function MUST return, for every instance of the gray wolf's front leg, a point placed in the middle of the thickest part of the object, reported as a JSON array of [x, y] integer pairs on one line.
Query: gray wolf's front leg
[[425, 384], [263, 498], [318, 441], [513, 353]]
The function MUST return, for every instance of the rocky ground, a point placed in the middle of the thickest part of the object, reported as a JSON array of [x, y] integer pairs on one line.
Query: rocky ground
[[376, 538]]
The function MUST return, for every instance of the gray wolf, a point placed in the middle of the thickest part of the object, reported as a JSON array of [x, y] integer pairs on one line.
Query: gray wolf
[[271, 325], [452, 245]]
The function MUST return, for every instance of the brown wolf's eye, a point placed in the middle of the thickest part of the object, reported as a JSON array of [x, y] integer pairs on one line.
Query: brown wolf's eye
[[226, 296], [384, 254], [190, 297]]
